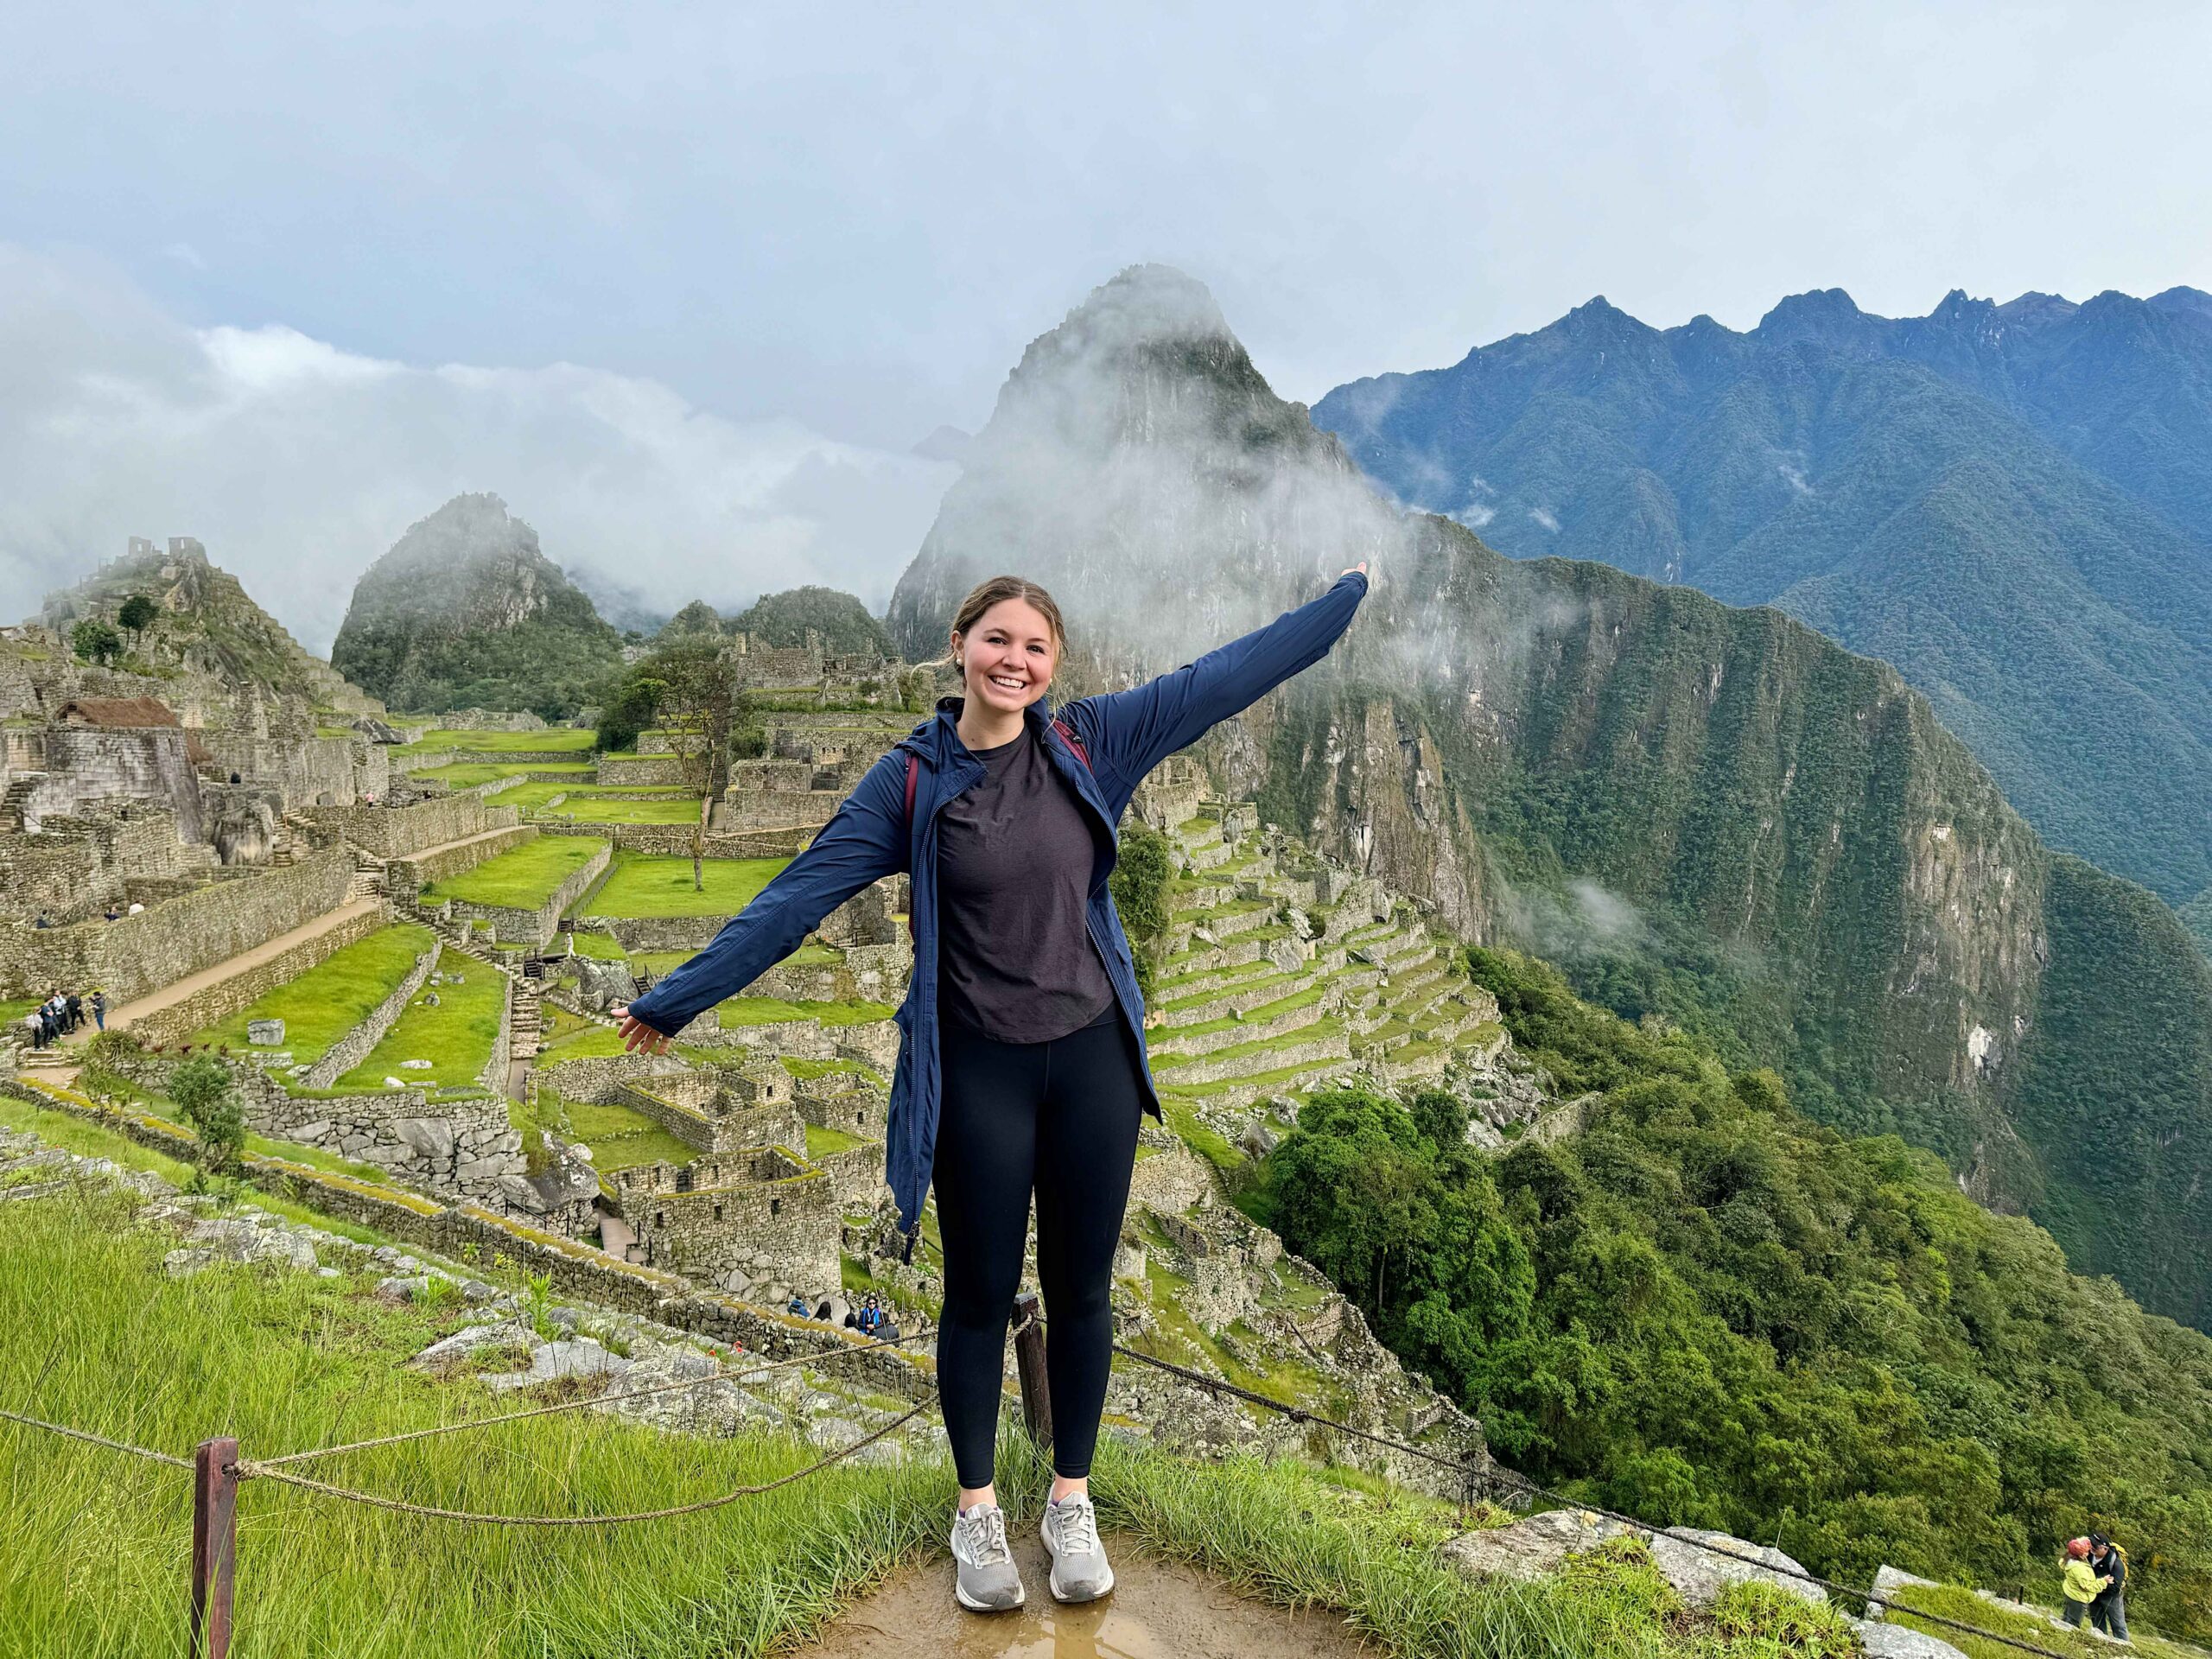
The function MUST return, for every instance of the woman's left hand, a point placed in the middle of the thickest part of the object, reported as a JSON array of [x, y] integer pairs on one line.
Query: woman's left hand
[[1361, 566]]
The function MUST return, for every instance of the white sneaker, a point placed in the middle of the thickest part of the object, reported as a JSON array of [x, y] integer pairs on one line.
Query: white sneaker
[[985, 1578], [1080, 1568]]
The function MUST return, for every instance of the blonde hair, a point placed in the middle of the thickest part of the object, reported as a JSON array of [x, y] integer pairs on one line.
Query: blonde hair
[[996, 591]]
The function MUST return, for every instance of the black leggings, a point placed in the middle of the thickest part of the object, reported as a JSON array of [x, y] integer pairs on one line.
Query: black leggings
[[1060, 1116]]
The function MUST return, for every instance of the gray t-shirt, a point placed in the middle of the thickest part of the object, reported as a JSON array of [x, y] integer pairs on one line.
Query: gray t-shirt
[[1014, 857]]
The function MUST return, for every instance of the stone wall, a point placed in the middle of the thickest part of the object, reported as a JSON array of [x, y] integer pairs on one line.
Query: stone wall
[[72, 866], [857, 1173], [457, 1147], [776, 1224], [512, 925], [490, 720], [90, 763], [633, 771], [219, 1001], [356, 1045], [412, 875], [161, 944], [693, 1107], [868, 973], [308, 770], [493, 1076], [403, 831], [600, 1078]]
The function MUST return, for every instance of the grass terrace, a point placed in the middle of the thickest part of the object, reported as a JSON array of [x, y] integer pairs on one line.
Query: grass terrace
[[824, 1143], [537, 794], [332, 997], [560, 738], [456, 1036], [467, 774], [590, 809], [641, 885], [619, 1137], [523, 879]]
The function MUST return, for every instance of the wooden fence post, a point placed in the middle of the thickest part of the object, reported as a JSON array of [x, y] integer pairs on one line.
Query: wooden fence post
[[214, 1547], [1029, 1366]]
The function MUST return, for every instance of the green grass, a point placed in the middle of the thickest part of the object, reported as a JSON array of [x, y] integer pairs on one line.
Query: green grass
[[823, 1143], [332, 997], [1259, 1048], [807, 1069], [522, 878], [604, 946], [456, 1036], [591, 809], [546, 742], [537, 794], [640, 885], [467, 774], [1949, 1601], [619, 1137], [766, 1010]]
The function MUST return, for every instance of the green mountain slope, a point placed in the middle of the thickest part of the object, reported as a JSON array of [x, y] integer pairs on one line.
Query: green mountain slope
[[1710, 1311], [465, 612], [1714, 815], [1916, 489]]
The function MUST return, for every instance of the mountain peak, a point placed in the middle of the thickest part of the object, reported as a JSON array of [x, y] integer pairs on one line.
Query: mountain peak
[[1826, 316], [2187, 301], [1147, 305]]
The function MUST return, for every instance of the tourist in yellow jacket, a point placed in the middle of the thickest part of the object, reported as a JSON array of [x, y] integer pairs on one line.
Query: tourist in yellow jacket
[[2083, 1585]]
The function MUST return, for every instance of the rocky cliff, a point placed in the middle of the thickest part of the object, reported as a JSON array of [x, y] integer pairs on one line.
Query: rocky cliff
[[465, 611], [1711, 816]]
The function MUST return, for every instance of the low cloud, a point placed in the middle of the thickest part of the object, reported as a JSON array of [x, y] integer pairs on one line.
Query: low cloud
[[297, 462], [1585, 918]]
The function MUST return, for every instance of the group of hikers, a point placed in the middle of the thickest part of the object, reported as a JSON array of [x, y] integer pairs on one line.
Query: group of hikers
[[2096, 1584], [62, 1012], [872, 1318]]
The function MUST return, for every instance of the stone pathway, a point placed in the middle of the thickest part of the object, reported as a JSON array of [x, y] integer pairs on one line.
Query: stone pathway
[[1159, 1609]]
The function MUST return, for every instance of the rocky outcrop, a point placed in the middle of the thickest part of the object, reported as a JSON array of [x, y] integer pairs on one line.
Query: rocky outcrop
[[1700, 1564]]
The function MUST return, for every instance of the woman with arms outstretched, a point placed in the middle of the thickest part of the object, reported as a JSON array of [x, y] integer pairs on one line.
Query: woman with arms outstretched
[[1021, 1063]]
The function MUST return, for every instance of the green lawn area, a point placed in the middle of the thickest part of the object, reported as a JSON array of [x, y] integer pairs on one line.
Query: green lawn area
[[641, 885], [456, 1036], [822, 1143], [524, 878], [546, 742], [619, 1137], [590, 808], [467, 774], [604, 946], [332, 997], [537, 794], [766, 1010]]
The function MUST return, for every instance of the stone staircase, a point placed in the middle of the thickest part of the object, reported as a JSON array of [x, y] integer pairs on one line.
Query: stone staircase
[[1264, 993], [526, 1028]]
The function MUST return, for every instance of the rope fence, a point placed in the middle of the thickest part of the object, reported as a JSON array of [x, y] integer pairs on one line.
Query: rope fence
[[217, 1469]]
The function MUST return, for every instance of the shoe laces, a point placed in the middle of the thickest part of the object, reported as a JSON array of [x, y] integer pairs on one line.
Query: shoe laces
[[1077, 1526], [984, 1526]]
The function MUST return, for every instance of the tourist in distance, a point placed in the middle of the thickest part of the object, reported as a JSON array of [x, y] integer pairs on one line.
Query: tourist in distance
[[99, 1008], [2108, 1613], [1020, 1058], [2083, 1585]]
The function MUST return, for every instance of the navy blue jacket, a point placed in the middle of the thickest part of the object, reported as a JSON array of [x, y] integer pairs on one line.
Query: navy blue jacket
[[1125, 734]]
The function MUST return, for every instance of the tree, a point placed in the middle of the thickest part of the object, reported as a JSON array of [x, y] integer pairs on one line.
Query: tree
[[699, 700], [629, 710], [95, 641], [1138, 884], [697, 617], [202, 1090], [137, 613]]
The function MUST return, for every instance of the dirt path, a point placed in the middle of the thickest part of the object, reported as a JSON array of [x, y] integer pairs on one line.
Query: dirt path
[[124, 1015], [1158, 1611]]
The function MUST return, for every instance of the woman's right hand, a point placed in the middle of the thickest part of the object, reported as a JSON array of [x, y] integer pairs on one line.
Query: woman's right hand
[[637, 1035]]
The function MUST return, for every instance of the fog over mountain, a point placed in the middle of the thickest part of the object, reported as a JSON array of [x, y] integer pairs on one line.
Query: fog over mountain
[[298, 462]]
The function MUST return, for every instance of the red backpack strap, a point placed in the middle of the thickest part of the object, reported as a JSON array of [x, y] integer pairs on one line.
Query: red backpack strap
[[1073, 742]]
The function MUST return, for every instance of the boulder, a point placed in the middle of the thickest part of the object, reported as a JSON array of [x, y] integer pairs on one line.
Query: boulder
[[549, 1362], [1887, 1579], [417, 1065], [1895, 1642], [432, 1137], [265, 1033], [1287, 956], [377, 731], [1699, 1576], [601, 984], [1529, 1550]]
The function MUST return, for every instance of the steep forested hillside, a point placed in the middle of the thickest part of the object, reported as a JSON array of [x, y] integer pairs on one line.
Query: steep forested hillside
[[1714, 815], [839, 621], [2012, 504], [465, 612], [1708, 1311]]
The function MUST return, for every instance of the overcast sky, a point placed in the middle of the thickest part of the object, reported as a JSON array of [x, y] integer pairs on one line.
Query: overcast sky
[[685, 284]]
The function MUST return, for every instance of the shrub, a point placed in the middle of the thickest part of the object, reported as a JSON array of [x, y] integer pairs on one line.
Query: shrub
[[137, 612], [95, 641], [202, 1090]]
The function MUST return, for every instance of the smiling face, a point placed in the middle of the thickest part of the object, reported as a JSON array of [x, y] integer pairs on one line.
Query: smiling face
[[1006, 658]]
